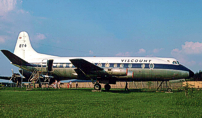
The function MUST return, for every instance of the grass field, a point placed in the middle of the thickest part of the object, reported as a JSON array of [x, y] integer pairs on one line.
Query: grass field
[[84, 103]]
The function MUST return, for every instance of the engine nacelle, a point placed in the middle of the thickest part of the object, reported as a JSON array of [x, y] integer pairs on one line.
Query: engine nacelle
[[130, 74], [117, 71]]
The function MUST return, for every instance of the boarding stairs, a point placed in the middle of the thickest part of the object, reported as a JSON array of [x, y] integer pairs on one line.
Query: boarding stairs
[[35, 76]]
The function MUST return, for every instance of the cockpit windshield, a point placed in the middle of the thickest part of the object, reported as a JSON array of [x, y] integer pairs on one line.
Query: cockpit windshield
[[176, 62]]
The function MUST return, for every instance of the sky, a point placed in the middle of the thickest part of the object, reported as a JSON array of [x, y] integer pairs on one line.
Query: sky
[[103, 28]]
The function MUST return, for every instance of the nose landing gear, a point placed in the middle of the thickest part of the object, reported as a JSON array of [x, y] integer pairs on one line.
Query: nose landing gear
[[168, 89]]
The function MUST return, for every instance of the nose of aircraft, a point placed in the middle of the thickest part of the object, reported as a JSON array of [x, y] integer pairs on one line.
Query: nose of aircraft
[[191, 74]]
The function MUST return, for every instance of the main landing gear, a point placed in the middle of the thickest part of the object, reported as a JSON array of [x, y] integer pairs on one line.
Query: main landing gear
[[97, 86], [107, 87]]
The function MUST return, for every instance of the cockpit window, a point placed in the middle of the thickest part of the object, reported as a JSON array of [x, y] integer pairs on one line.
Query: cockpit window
[[178, 62], [175, 62]]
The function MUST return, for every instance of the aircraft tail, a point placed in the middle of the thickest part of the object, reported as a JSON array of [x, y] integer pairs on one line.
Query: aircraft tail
[[23, 48]]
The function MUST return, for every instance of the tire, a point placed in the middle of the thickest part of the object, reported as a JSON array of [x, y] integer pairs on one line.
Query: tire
[[107, 87], [169, 90], [97, 86]]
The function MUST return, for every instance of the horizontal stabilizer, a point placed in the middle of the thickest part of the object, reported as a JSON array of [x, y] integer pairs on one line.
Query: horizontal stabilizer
[[15, 59], [3, 77]]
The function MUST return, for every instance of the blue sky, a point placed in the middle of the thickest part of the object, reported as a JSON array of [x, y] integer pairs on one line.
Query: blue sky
[[156, 28]]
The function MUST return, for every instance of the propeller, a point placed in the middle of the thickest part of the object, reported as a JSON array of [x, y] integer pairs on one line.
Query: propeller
[[15, 77]]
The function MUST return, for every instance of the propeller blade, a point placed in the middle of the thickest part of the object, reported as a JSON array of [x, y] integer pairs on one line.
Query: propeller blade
[[12, 71]]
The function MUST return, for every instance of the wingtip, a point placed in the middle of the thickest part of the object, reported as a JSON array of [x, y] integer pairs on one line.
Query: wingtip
[[4, 51]]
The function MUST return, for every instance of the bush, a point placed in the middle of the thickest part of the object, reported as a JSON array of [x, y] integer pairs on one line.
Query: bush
[[187, 89]]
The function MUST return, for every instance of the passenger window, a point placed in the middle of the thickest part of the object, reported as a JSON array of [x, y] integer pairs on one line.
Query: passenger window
[[121, 65], [143, 66], [54, 65], [115, 65], [58, 65], [151, 66], [107, 65], [70, 65], [129, 65], [99, 64], [64, 65]]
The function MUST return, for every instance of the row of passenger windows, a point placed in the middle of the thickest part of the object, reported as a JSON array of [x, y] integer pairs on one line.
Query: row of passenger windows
[[107, 65]]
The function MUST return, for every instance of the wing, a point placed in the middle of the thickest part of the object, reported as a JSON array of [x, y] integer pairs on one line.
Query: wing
[[85, 66]]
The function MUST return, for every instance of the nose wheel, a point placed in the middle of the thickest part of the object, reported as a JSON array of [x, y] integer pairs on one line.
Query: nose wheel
[[169, 90]]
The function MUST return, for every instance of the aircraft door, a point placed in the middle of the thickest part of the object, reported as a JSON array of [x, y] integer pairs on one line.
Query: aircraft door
[[43, 65], [49, 65]]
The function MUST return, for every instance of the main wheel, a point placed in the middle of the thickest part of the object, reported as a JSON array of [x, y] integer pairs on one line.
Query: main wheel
[[97, 86], [107, 87]]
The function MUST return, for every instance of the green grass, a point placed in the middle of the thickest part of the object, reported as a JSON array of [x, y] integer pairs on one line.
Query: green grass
[[84, 103]]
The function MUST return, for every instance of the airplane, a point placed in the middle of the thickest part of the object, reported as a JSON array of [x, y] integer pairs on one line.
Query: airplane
[[105, 70]]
